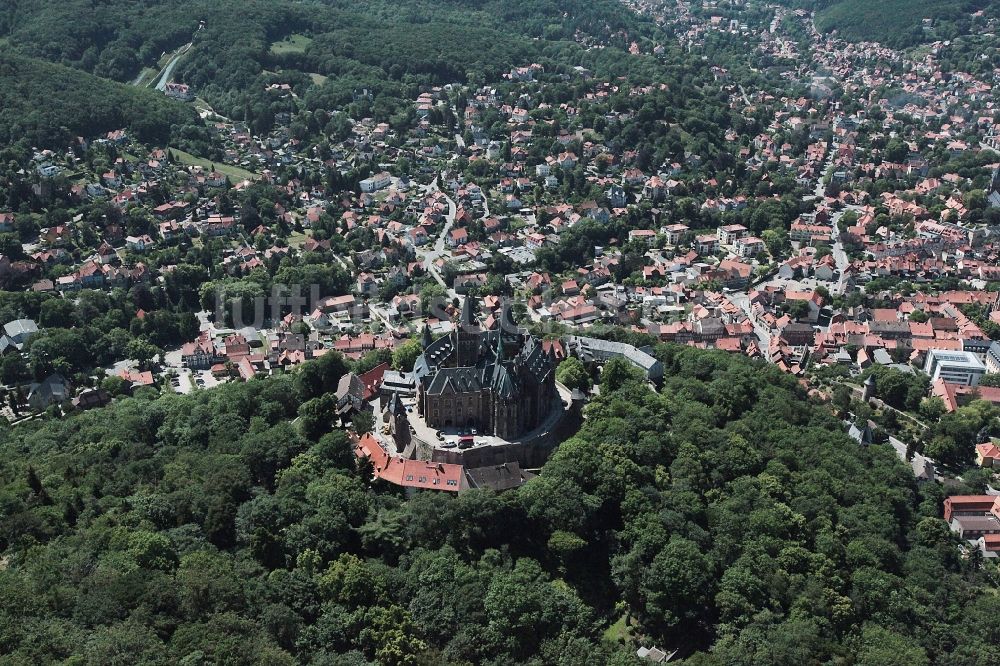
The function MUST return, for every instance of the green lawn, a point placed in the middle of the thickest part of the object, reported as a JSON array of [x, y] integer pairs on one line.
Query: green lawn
[[235, 173], [617, 633], [296, 239], [318, 79], [146, 77], [291, 44], [166, 58]]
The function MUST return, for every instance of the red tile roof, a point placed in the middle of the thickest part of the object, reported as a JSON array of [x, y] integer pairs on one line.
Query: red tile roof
[[373, 380], [968, 503], [410, 473]]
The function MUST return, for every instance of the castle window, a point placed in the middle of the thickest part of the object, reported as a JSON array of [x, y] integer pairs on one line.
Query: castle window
[[451, 482]]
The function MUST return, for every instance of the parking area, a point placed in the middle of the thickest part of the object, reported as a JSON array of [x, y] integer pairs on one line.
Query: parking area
[[181, 382], [797, 284]]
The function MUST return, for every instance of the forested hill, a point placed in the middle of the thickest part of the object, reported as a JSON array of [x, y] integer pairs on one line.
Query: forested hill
[[46, 105], [389, 47], [725, 514], [116, 38], [896, 23]]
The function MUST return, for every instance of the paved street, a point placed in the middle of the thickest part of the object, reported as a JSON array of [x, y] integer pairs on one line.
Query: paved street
[[168, 71], [430, 255], [742, 300]]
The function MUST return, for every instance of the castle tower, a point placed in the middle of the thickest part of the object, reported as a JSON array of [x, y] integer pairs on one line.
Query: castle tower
[[868, 392], [399, 426]]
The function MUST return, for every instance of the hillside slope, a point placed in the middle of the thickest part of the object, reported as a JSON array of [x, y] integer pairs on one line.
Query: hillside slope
[[898, 23], [388, 47], [48, 104], [724, 512], [116, 38]]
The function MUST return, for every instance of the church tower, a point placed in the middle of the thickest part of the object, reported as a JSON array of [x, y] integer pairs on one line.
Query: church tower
[[467, 337]]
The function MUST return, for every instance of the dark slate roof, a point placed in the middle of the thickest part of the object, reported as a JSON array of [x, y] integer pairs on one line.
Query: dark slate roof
[[900, 327], [495, 370], [497, 477], [503, 383], [350, 384], [457, 380]]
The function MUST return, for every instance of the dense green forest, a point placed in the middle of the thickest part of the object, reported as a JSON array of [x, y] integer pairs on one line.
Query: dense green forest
[[47, 105], [897, 23], [324, 50], [115, 38], [724, 513], [418, 42]]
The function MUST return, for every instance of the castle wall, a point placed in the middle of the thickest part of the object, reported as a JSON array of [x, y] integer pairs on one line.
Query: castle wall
[[530, 453], [459, 410]]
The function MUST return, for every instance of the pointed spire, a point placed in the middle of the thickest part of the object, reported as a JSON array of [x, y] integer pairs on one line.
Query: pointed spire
[[498, 368], [425, 337]]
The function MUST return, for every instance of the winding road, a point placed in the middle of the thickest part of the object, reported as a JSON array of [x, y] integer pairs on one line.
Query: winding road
[[161, 83], [428, 257]]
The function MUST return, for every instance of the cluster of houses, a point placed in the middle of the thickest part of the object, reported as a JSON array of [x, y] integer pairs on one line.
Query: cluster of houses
[[976, 518], [732, 286]]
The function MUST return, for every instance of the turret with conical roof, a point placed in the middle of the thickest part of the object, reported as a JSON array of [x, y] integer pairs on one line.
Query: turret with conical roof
[[425, 337], [868, 392]]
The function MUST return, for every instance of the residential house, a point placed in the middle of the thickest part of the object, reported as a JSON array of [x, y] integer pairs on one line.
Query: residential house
[[674, 233], [749, 246], [379, 181], [19, 331], [53, 390], [457, 237], [705, 244], [730, 233]]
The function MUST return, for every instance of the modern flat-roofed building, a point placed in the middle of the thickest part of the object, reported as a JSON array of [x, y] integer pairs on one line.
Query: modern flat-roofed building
[[398, 382], [993, 358], [954, 367], [379, 181]]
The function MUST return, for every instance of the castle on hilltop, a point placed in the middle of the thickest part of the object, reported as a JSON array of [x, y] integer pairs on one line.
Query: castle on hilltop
[[500, 382]]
